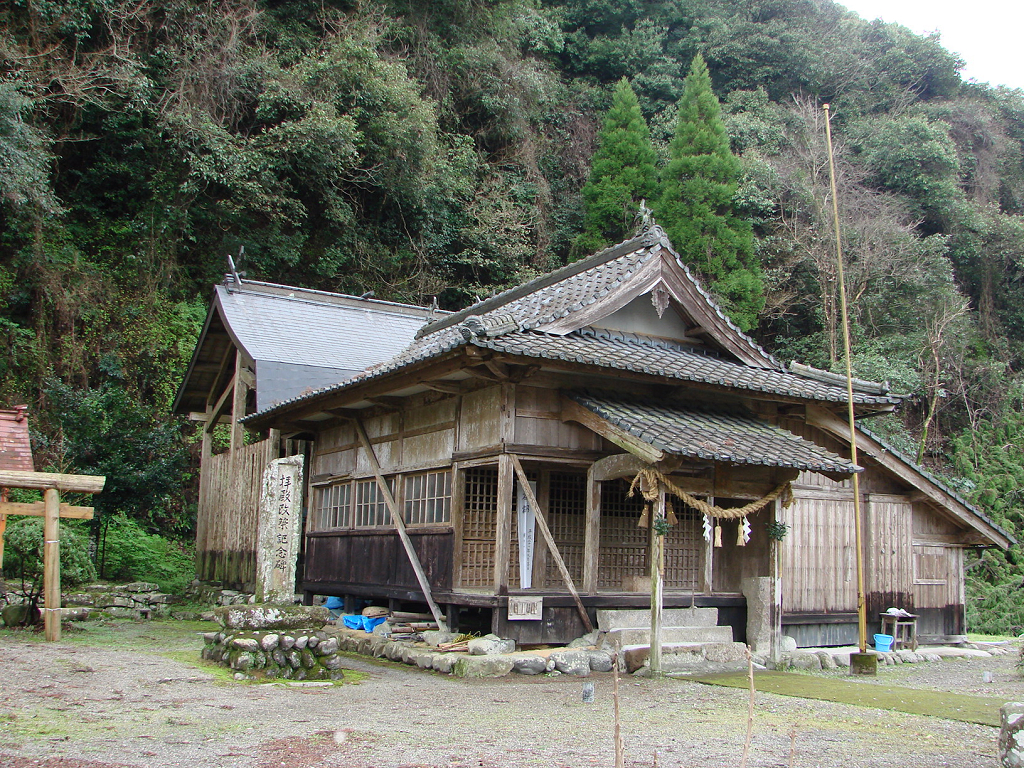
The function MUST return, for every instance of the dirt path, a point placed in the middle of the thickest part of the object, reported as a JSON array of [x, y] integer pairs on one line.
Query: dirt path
[[108, 699]]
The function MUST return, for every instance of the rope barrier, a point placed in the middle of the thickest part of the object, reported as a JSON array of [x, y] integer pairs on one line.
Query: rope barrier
[[650, 477]]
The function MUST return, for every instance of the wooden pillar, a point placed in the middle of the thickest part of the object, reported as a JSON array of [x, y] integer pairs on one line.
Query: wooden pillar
[[657, 579], [3, 525], [592, 534], [503, 524], [775, 609], [51, 563], [238, 404]]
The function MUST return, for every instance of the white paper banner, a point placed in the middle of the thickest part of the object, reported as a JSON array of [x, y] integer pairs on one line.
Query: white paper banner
[[526, 523]]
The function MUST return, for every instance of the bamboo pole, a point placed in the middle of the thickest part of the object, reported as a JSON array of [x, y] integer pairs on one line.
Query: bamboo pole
[[51, 564], [862, 619]]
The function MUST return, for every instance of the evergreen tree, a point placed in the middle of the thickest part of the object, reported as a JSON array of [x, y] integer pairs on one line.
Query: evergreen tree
[[696, 207], [622, 173]]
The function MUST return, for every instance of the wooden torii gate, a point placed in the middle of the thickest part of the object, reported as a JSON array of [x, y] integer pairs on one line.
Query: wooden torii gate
[[50, 509]]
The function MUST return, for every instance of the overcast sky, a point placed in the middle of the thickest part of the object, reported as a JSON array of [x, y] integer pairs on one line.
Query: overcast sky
[[985, 33]]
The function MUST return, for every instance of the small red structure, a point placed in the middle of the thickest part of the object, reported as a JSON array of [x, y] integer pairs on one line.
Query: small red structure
[[15, 448]]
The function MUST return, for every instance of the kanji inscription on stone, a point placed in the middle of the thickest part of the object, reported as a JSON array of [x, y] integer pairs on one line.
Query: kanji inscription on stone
[[280, 522]]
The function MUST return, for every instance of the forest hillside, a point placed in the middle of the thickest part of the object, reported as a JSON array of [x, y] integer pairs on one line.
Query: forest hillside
[[441, 148]]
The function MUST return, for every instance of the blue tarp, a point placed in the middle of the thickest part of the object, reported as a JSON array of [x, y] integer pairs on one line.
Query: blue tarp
[[366, 623]]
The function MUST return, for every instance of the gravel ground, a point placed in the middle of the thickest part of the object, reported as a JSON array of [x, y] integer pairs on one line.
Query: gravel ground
[[110, 700]]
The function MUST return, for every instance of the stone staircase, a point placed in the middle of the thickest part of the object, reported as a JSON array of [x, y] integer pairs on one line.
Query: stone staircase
[[691, 640]]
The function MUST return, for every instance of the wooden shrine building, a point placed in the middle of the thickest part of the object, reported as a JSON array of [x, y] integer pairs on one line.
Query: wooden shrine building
[[583, 377], [263, 344]]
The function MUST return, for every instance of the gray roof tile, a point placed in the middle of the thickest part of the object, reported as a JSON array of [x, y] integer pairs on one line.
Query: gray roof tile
[[641, 354], [731, 436]]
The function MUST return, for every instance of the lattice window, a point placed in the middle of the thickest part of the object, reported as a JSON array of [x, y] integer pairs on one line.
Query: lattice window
[[623, 552], [684, 549], [567, 518], [622, 559], [428, 498], [333, 507], [370, 508], [479, 521]]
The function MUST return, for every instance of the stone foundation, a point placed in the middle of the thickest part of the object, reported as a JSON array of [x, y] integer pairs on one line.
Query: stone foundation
[[289, 655]]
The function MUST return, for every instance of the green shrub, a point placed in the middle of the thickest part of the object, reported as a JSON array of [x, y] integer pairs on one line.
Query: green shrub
[[23, 555], [128, 553]]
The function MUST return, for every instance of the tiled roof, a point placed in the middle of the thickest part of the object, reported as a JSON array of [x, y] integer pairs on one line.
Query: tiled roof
[[616, 351], [574, 287], [15, 447], [641, 354], [732, 436], [514, 322]]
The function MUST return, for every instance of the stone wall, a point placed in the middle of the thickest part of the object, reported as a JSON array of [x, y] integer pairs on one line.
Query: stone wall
[[138, 600], [260, 654]]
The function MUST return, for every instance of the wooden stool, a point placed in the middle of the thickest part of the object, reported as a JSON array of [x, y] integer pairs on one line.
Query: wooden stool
[[903, 630]]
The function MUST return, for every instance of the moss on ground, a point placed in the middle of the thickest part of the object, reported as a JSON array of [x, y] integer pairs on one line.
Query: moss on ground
[[950, 706]]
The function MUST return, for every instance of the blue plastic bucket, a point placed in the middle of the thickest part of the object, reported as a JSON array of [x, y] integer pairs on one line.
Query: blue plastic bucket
[[883, 643]]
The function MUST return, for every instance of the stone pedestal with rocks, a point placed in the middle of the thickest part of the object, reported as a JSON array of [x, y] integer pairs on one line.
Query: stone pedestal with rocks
[[289, 655], [274, 641], [1011, 735]]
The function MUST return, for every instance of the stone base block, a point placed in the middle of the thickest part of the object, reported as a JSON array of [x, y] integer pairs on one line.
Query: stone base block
[[863, 663]]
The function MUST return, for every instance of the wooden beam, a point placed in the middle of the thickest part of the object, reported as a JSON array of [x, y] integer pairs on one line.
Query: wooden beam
[[217, 411], [51, 564], [573, 411], [498, 369], [222, 371], [38, 509], [542, 523], [388, 401], [446, 387], [399, 521], [44, 481], [477, 373], [203, 417]]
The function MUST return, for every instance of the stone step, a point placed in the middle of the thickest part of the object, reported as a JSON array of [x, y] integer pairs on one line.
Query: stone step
[[670, 617], [625, 636], [687, 657]]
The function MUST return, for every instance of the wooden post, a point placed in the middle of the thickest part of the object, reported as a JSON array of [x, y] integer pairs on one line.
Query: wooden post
[[657, 580], [542, 523], [775, 609], [592, 533], [51, 510], [238, 395], [503, 524], [399, 521], [3, 525], [51, 564]]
